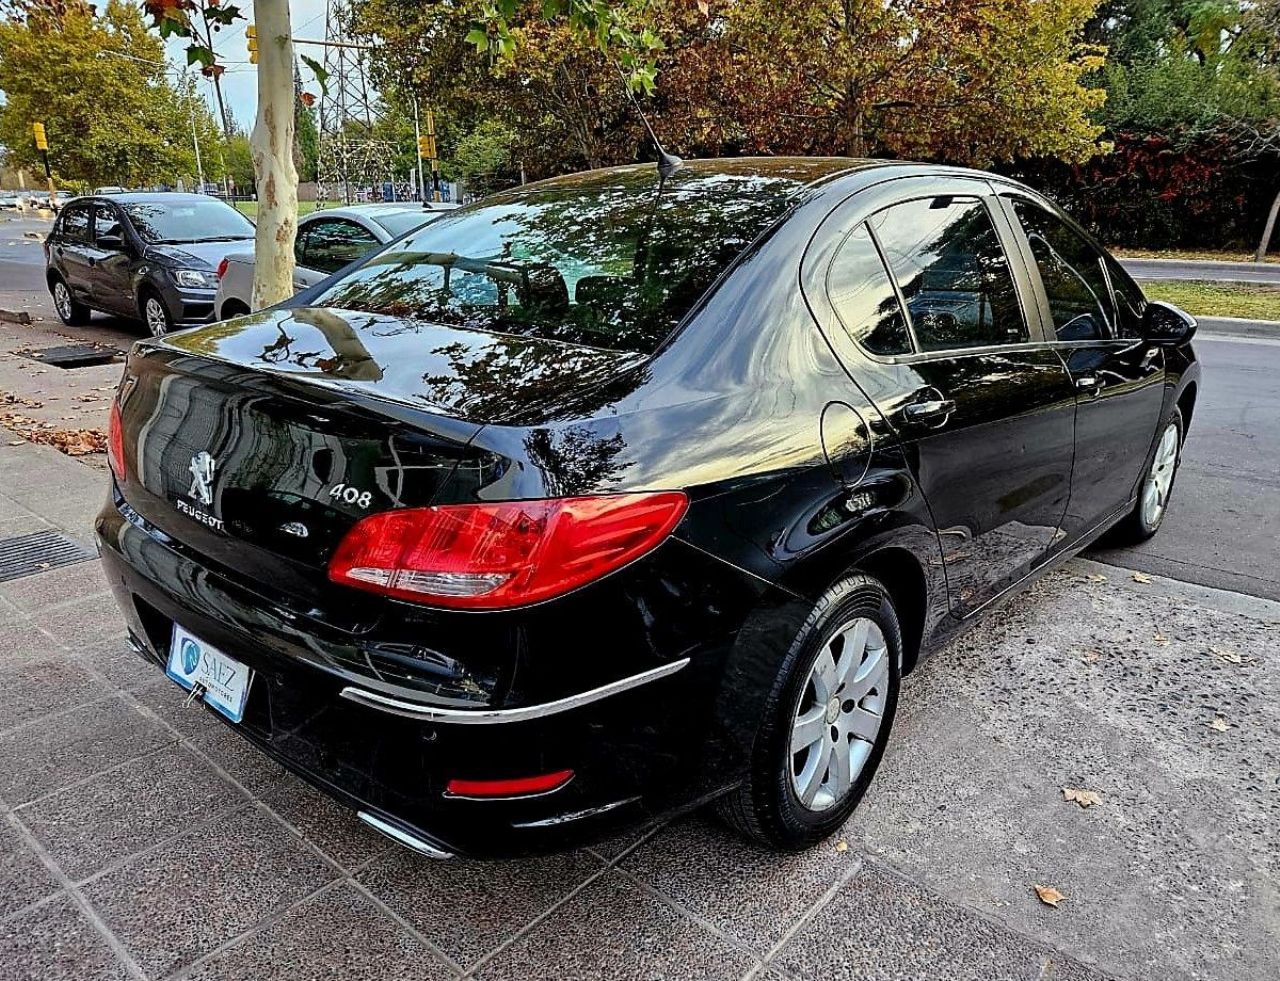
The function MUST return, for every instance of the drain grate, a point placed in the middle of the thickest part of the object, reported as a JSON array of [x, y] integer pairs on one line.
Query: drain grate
[[72, 356], [40, 551]]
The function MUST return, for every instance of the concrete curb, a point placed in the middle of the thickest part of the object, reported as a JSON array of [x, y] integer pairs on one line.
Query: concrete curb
[[1227, 263], [15, 316], [1239, 327], [1222, 600]]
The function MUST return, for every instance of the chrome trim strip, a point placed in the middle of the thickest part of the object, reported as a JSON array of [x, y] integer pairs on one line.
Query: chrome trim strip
[[403, 837], [435, 713]]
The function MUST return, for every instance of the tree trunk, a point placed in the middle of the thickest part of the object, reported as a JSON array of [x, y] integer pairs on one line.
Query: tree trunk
[[272, 146], [1266, 232]]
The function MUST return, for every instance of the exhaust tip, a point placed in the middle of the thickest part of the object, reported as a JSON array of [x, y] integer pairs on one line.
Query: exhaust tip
[[406, 838]]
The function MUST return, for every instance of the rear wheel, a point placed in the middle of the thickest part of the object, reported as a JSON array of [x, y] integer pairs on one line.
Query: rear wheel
[[232, 308], [1157, 486], [155, 315], [70, 312], [826, 721]]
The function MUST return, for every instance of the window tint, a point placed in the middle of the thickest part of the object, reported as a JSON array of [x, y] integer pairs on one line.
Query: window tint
[[862, 294], [611, 259], [1071, 269], [75, 223], [333, 243], [106, 222], [1130, 304], [952, 271]]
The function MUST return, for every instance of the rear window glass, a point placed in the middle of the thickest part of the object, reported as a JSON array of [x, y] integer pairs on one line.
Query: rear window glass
[[403, 222], [612, 260]]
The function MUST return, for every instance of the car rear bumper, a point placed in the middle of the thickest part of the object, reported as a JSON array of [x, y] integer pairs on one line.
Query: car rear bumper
[[638, 750]]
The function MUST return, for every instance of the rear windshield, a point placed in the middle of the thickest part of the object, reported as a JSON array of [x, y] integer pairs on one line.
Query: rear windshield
[[188, 221], [611, 260], [403, 222]]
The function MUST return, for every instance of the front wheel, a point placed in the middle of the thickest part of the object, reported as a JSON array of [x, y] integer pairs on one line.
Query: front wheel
[[1157, 486], [826, 721], [155, 315]]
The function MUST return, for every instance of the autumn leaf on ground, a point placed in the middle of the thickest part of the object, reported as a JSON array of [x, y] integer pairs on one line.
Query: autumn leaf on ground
[[1085, 798], [842, 845], [1160, 638], [1141, 577], [1048, 895], [1091, 657], [1096, 577], [1219, 724], [1222, 654]]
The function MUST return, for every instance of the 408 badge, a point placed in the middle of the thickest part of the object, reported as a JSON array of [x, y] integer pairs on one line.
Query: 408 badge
[[351, 495]]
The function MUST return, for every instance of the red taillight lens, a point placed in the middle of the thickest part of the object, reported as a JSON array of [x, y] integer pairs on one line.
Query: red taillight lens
[[544, 783], [115, 442], [492, 556], [222, 268]]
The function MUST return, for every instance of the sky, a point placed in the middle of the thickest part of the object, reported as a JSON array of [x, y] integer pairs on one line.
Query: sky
[[239, 83]]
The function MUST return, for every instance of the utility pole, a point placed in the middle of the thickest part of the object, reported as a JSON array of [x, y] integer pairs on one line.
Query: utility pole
[[417, 139]]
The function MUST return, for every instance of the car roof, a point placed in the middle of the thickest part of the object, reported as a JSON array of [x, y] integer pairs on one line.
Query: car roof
[[368, 210], [155, 197]]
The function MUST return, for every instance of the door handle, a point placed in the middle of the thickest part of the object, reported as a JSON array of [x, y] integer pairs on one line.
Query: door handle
[[1088, 383], [929, 410]]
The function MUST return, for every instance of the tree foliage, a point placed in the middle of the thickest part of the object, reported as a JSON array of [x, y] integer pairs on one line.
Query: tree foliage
[[122, 122], [963, 80]]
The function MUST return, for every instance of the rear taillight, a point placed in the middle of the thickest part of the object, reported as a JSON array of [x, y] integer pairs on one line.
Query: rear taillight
[[222, 268], [115, 442], [492, 556]]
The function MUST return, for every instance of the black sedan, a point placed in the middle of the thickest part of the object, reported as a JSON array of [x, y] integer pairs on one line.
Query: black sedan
[[625, 492], [148, 256]]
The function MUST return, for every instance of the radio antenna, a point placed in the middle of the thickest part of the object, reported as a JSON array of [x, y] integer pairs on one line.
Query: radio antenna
[[668, 163]]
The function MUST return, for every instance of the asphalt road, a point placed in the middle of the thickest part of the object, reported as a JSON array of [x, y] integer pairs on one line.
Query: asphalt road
[[1223, 525], [1222, 529], [1220, 272]]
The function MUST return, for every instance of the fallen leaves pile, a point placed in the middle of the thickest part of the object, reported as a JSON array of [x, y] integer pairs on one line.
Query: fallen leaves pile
[[73, 442]]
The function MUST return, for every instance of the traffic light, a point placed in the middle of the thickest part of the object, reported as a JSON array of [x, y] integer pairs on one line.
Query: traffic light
[[42, 141], [251, 37], [427, 146]]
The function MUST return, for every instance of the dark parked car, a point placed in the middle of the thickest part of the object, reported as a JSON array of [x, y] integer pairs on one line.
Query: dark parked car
[[148, 256], [617, 494]]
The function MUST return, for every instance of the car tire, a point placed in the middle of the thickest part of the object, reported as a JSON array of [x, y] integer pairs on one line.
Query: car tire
[[70, 312], [155, 315], [1156, 487], [233, 308], [796, 792]]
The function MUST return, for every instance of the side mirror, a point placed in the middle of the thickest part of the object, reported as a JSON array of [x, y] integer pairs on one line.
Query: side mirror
[[1163, 323], [111, 241]]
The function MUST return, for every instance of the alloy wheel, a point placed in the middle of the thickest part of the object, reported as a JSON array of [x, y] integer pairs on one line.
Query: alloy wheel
[[840, 714], [157, 321], [1155, 489], [62, 300]]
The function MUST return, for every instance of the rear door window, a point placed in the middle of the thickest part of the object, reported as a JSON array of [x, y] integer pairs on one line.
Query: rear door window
[[952, 271], [1072, 272], [863, 297]]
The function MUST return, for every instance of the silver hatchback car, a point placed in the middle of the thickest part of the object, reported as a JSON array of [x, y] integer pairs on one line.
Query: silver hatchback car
[[327, 241]]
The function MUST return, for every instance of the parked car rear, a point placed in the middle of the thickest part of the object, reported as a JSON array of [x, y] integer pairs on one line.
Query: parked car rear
[[632, 490]]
